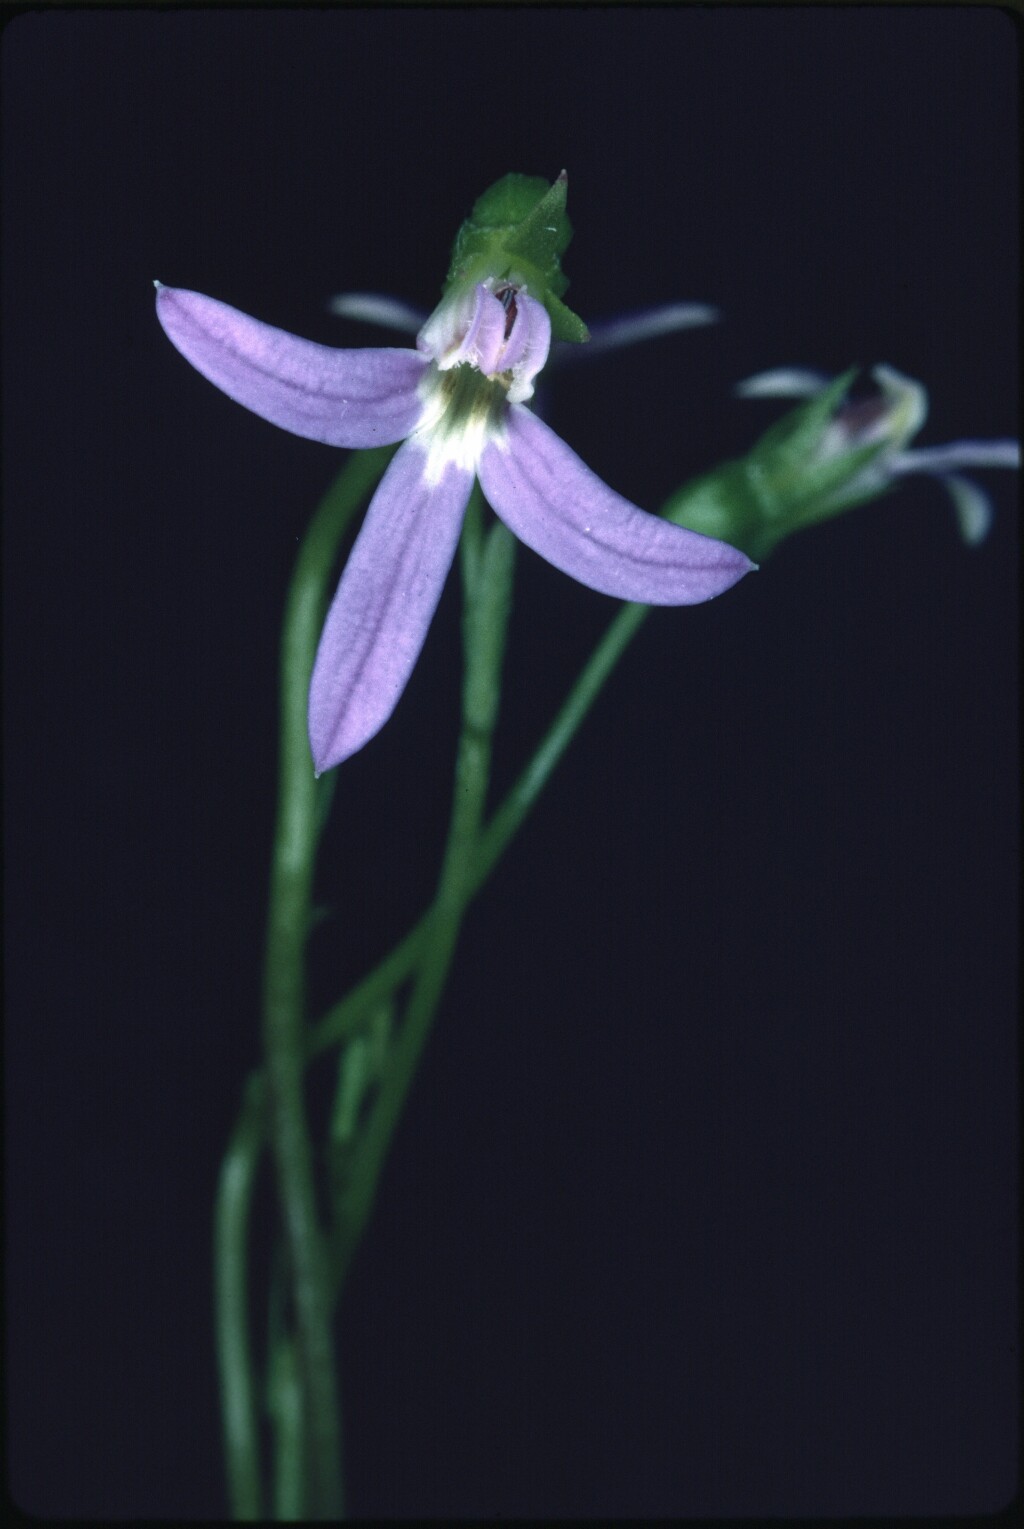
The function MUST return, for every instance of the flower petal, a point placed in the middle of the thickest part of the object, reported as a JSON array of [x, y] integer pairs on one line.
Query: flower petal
[[376, 308], [940, 459], [557, 506], [527, 347], [972, 505], [388, 593], [906, 405], [342, 397], [485, 336], [631, 329], [783, 382]]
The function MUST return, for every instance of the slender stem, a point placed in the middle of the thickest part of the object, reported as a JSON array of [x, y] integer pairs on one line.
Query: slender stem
[[438, 924], [291, 880], [508, 818], [471, 856], [347, 1015], [234, 1355], [487, 575], [283, 1397], [284, 1401]]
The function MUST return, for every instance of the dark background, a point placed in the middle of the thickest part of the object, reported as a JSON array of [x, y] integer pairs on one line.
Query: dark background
[[704, 1200]]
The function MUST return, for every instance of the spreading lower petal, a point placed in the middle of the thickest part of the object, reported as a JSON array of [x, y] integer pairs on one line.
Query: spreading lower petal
[[388, 593], [553, 502], [943, 459], [972, 505], [354, 398]]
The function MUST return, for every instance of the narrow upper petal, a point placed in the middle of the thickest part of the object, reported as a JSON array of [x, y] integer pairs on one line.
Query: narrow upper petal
[[557, 506], [783, 382], [527, 347], [384, 604], [633, 329], [342, 397], [377, 308]]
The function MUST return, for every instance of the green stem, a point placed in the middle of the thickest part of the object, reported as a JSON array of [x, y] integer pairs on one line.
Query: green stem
[[487, 575], [234, 1355], [283, 1397], [344, 1017], [284, 1402], [471, 856], [291, 880], [508, 818]]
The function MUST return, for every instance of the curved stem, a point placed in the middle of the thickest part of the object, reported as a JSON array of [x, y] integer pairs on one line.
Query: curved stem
[[284, 1402], [487, 574], [508, 818], [471, 856], [345, 1016], [288, 919], [231, 1286]]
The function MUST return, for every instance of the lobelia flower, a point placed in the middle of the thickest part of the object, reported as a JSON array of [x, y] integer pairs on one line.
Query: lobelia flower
[[458, 403], [890, 421], [828, 455]]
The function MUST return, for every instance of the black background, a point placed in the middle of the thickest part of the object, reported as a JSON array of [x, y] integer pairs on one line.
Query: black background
[[704, 1200]]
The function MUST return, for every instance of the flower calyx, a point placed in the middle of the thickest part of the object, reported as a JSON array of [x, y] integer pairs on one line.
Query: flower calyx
[[515, 237]]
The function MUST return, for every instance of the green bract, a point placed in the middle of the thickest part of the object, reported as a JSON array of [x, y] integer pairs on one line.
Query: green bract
[[517, 232]]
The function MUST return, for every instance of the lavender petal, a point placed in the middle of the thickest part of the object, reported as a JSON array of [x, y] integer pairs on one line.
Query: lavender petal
[[783, 382], [485, 336], [375, 308], [384, 604], [556, 505], [341, 397], [941, 459], [633, 329]]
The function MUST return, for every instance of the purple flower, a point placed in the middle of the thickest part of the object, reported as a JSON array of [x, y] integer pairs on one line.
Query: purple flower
[[458, 403], [891, 419]]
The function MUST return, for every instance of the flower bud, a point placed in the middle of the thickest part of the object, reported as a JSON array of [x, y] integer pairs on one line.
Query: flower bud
[[823, 457]]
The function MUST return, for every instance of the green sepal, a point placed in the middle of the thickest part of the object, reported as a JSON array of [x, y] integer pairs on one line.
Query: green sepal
[[721, 504], [518, 231], [544, 234], [509, 201], [565, 325], [798, 432]]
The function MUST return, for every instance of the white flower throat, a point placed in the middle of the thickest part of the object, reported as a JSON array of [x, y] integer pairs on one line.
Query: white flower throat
[[487, 344]]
